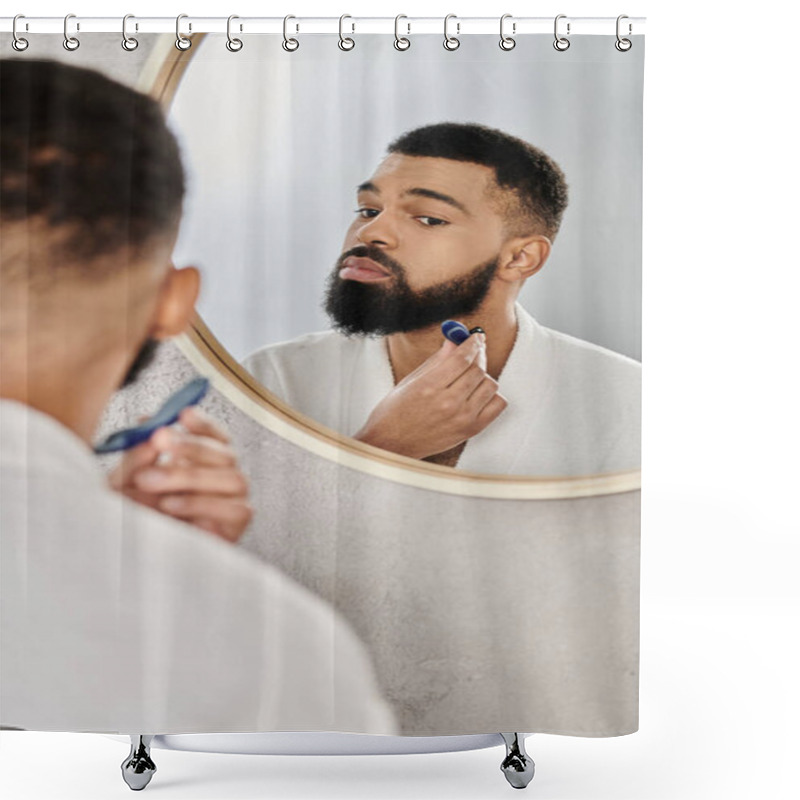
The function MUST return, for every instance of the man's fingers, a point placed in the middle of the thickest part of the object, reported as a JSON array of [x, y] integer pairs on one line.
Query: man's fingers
[[143, 498], [201, 451], [492, 410], [230, 532], [143, 455], [484, 405], [215, 527], [483, 392], [197, 480], [198, 422], [225, 510], [467, 382], [456, 362]]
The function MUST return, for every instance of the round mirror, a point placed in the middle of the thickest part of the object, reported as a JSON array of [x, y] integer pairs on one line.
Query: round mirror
[[287, 151]]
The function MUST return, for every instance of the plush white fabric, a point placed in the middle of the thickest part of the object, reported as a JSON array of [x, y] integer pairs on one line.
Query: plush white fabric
[[573, 408], [118, 619]]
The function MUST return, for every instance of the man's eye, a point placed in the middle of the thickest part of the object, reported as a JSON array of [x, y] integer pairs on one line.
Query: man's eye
[[432, 222], [367, 213]]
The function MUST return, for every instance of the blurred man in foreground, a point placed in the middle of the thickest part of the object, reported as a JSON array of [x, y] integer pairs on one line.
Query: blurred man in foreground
[[114, 617]]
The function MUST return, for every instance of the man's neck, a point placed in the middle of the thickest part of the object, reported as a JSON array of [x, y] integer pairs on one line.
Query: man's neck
[[408, 350], [74, 396]]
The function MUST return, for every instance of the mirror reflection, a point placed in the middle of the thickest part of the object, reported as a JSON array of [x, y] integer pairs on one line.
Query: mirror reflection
[[356, 223]]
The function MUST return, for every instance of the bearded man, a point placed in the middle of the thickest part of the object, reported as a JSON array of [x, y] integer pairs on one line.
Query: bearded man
[[451, 224]]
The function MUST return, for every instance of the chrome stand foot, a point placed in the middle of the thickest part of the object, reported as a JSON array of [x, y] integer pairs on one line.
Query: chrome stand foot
[[517, 766], [138, 768]]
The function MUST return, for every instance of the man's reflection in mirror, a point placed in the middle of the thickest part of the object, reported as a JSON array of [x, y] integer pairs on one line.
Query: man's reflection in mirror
[[450, 225]]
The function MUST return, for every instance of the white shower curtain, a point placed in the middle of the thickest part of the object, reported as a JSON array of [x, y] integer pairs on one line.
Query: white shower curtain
[[488, 583]]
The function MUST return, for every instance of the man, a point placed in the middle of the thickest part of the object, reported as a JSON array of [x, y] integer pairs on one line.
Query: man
[[115, 617], [450, 226]]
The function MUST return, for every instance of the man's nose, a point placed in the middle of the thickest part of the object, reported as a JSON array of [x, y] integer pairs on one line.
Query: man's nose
[[379, 231]]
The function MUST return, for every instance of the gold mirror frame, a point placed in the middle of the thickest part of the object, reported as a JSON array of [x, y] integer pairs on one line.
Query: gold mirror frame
[[160, 78]]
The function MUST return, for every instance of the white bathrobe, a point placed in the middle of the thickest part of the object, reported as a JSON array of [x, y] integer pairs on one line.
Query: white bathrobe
[[573, 408], [116, 619]]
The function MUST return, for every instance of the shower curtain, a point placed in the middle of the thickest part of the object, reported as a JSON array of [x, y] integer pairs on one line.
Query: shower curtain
[[344, 202]]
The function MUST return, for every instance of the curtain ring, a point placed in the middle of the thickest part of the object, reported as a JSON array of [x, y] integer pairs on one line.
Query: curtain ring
[[234, 45], [507, 42], [623, 45], [181, 42], [129, 43], [561, 43], [345, 42], [70, 42], [401, 42], [18, 43], [289, 45], [451, 42]]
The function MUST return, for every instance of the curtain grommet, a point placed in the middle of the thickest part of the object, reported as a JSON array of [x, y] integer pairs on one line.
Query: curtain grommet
[[622, 44], [129, 43], [18, 42], [289, 44], [507, 43], [401, 43], [346, 43], [70, 43], [233, 44], [181, 42], [451, 43], [561, 43]]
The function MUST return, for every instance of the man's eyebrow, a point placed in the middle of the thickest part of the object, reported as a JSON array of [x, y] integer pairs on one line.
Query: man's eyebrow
[[369, 186], [445, 198]]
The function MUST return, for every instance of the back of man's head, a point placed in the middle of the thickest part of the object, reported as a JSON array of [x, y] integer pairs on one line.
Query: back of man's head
[[87, 158], [91, 189]]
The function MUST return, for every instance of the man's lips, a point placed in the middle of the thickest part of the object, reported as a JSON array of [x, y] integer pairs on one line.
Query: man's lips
[[365, 270]]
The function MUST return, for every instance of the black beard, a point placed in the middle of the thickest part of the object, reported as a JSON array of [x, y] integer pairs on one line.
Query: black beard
[[360, 309], [143, 359]]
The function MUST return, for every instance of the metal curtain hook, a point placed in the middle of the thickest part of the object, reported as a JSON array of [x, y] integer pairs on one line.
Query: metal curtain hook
[[18, 43], [561, 43], [507, 42], [623, 45], [345, 42], [401, 42], [290, 45], [129, 43], [181, 42], [451, 42], [234, 45], [70, 42]]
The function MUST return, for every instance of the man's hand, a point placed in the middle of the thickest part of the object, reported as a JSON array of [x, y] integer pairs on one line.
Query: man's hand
[[449, 398], [191, 475]]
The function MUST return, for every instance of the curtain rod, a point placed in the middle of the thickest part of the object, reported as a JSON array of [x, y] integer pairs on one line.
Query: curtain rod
[[461, 26]]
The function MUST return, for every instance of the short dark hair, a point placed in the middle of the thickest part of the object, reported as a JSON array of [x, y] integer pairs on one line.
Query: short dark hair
[[88, 156], [530, 174]]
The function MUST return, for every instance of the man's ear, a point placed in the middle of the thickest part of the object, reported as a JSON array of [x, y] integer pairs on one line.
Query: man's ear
[[523, 256], [176, 302]]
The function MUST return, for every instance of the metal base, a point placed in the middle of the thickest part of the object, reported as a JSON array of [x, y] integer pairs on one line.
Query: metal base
[[138, 768], [316, 743], [517, 766]]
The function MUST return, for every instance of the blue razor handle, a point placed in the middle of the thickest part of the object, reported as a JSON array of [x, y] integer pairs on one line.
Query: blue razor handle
[[188, 395], [455, 331]]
